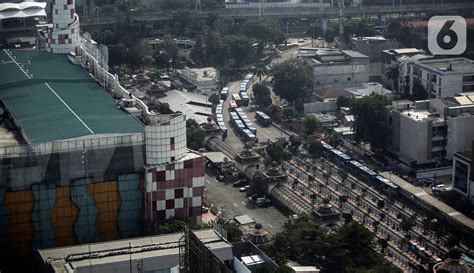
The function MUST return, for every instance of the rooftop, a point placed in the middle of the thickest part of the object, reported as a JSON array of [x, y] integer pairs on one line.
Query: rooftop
[[194, 106], [466, 155], [369, 38], [120, 251], [51, 99], [403, 51], [329, 55], [331, 92], [420, 115], [448, 65]]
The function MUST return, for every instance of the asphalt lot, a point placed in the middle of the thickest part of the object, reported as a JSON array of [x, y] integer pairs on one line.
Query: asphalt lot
[[231, 202]]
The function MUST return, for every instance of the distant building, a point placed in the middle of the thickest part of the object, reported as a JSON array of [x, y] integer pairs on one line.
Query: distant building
[[390, 56], [204, 79], [432, 130], [335, 66], [441, 78], [330, 94], [366, 89], [463, 173], [194, 106], [372, 46]]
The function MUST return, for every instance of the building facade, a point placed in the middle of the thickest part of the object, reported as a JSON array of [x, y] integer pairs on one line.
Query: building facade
[[463, 173], [432, 130], [440, 78], [372, 46], [336, 67]]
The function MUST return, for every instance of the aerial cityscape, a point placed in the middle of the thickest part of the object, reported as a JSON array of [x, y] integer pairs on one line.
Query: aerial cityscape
[[237, 136]]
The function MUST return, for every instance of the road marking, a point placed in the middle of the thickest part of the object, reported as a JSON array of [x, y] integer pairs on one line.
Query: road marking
[[235, 205], [243, 203], [65, 104], [17, 64], [208, 182]]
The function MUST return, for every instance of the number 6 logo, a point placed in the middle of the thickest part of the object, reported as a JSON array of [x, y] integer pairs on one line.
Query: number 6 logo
[[447, 35]]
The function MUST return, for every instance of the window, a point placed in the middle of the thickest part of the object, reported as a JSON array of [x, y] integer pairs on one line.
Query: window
[[348, 79], [173, 158]]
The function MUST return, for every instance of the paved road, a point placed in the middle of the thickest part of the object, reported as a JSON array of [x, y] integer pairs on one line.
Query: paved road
[[233, 203]]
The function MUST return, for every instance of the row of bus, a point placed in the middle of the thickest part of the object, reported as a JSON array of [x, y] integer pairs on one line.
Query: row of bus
[[358, 169], [220, 119], [244, 127]]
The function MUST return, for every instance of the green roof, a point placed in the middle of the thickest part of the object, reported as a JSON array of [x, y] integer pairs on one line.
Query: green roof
[[53, 99]]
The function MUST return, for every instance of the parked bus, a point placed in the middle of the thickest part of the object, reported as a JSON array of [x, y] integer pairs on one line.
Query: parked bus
[[224, 93], [248, 135], [263, 118], [237, 99], [232, 105], [245, 98]]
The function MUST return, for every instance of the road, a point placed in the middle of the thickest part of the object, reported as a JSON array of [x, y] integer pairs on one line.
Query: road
[[231, 202]]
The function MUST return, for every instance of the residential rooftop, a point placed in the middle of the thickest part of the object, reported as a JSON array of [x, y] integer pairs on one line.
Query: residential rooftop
[[404, 51], [448, 66], [50, 99], [329, 55], [421, 115]]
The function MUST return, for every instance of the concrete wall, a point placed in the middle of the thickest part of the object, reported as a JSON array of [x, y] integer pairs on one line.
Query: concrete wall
[[460, 134], [327, 74], [318, 107], [414, 137], [434, 172]]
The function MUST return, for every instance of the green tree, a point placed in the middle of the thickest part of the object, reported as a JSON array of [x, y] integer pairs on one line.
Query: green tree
[[166, 53], [258, 184], [311, 124], [277, 152], [314, 147], [234, 233], [369, 124], [239, 48], [343, 101], [260, 70], [194, 134], [289, 113], [263, 30], [214, 99], [292, 79], [262, 94]]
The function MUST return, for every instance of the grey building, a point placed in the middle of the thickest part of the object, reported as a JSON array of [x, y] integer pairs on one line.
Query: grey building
[[463, 173], [441, 78], [336, 67], [430, 131], [372, 46]]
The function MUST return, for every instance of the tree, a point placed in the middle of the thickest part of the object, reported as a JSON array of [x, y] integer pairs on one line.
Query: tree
[[311, 124], [289, 113], [260, 70], [369, 124], [234, 233], [258, 184], [392, 73], [214, 99], [277, 152], [314, 147], [194, 134], [263, 30], [166, 53], [343, 101], [262, 94], [292, 79], [239, 48]]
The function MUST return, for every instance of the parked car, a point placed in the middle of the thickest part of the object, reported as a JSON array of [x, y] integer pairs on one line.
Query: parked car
[[438, 188], [220, 178], [244, 189], [240, 183], [263, 202]]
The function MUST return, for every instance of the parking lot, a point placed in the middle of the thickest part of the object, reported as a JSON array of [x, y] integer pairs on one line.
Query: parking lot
[[231, 202]]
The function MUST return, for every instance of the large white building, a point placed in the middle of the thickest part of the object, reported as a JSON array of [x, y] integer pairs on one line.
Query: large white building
[[336, 67], [432, 130], [441, 78]]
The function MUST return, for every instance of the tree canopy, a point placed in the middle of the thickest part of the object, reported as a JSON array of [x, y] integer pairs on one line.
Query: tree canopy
[[194, 135], [346, 249], [277, 152], [314, 147], [262, 94], [311, 124], [369, 124], [292, 79]]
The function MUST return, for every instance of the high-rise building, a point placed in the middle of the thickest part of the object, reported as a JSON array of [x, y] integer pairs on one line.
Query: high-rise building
[[64, 36]]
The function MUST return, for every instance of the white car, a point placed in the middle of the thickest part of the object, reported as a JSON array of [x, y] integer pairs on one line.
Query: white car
[[244, 189], [439, 187]]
